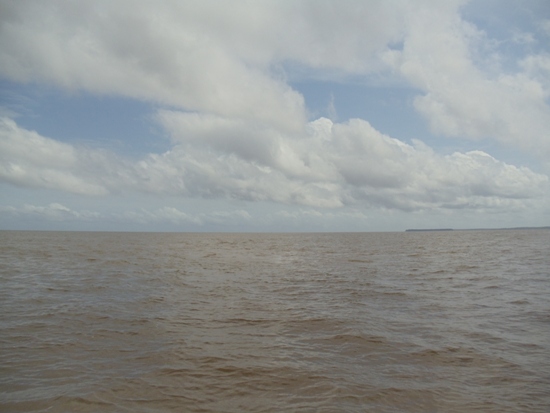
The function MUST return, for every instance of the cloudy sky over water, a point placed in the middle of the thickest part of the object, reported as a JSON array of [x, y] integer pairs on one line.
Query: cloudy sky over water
[[372, 115]]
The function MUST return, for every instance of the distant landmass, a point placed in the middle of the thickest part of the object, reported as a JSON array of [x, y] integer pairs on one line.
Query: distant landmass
[[471, 229]]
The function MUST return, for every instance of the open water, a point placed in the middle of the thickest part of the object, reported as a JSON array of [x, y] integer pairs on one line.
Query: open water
[[357, 322]]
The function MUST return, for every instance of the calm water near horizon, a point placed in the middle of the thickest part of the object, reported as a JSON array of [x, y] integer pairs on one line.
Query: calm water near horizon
[[453, 321]]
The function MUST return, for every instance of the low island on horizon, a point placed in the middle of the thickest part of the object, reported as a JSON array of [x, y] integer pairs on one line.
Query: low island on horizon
[[471, 229]]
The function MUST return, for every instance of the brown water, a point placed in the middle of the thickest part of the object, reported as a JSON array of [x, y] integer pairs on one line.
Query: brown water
[[372, 322]]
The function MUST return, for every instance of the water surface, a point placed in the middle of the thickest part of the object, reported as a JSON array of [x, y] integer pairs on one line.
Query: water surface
[[356, 322]]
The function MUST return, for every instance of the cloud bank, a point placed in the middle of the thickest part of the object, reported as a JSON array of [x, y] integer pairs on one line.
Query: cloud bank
[[328, 165], [221, 75]]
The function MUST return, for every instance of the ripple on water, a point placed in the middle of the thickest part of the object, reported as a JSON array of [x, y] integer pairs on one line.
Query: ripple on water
[[438, 322]]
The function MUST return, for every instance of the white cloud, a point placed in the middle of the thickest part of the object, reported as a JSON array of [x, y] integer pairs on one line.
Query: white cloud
[[28, 159], [463, 101], [223, 60], [169, 52], [166, 215], [178, 217], [330, 165], [54, 211], [537, 74], [545, 26], [239, 130], [523, 38]]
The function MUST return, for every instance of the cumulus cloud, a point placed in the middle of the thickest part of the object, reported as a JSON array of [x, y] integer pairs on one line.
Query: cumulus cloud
[[239, 130], [461, 99], [142, 50], [230, 61], [329, 165], [28, 159]]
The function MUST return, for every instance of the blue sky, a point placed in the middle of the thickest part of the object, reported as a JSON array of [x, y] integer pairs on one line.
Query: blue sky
[[274, 115]]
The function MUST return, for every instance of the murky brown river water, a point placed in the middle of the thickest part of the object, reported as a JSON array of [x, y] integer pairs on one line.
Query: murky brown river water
[[361, 322]]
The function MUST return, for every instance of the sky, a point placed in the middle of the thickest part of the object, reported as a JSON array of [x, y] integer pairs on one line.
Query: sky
[[258, 115]]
